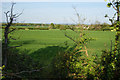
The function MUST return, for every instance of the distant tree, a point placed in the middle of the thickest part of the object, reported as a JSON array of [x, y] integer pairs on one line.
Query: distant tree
[[52, 25], [58, 26]]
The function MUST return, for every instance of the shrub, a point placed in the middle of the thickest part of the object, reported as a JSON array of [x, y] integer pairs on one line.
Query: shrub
[[31, 28], [106, 28], [62, 27], [82, 67], [75, 66], [43, 28], [21, 28], [111, 65], [60, 69], [18, 64]]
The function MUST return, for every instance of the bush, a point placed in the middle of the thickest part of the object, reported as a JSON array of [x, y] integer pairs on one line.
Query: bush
[[82, 67], [41, 28], [60, 69], [19, 62], [31, 28], [75, 66], [79, 66], [106, 29], [111, 65], [21, 28]]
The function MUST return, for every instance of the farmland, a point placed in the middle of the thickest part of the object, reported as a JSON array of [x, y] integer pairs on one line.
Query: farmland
[[44, 45], [54, 41], [36, 39]]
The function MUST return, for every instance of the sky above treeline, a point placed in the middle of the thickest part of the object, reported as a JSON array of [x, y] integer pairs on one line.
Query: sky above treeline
[[54, 0], [59, 12]]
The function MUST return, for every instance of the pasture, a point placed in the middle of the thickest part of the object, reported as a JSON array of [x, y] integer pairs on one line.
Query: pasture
[[44, 45], [37, 39]]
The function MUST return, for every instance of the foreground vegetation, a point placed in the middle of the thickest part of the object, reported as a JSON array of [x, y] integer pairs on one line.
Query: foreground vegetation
[[73, 58], [44, 48]]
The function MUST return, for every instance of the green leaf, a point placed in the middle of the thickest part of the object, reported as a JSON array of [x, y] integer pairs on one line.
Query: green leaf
[[105, 0], [109, 5], [106, 15], [110, 20]]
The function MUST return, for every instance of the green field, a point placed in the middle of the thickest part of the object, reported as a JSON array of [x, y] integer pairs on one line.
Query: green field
[[34, 40], [44, 45], [102, 41], [37, 39]]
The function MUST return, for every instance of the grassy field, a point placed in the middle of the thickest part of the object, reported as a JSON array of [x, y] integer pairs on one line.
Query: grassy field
[[36, 39], [102, 41], [46, 43], [43, 45]]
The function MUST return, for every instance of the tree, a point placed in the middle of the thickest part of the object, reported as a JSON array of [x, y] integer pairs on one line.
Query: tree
[[52, 25], [115, 22], [110, 59], [10, 18]]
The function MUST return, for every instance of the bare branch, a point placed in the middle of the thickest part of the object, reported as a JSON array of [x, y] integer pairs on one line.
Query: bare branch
[[75, 9], [113, 6], [6, 14], [17, 15], [78, 16], [12, 9], [80, 19], [33, 70], [12, 38], [71, 38], [11, 74], [14, 46], [73, 20], [17, 74], [11, 30]]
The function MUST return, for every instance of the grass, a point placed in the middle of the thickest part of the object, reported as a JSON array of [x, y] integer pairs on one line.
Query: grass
[[43, 45], [34, 40], [28, 26], [102, 41], [0, 34]]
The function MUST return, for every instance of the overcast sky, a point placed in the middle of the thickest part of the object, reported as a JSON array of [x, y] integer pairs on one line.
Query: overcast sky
[[53, 0]]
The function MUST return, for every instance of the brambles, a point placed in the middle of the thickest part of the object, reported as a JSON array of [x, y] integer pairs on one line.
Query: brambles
[[75, 62], [110, 59], [20, 65], [115, 22], [110, 64]]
